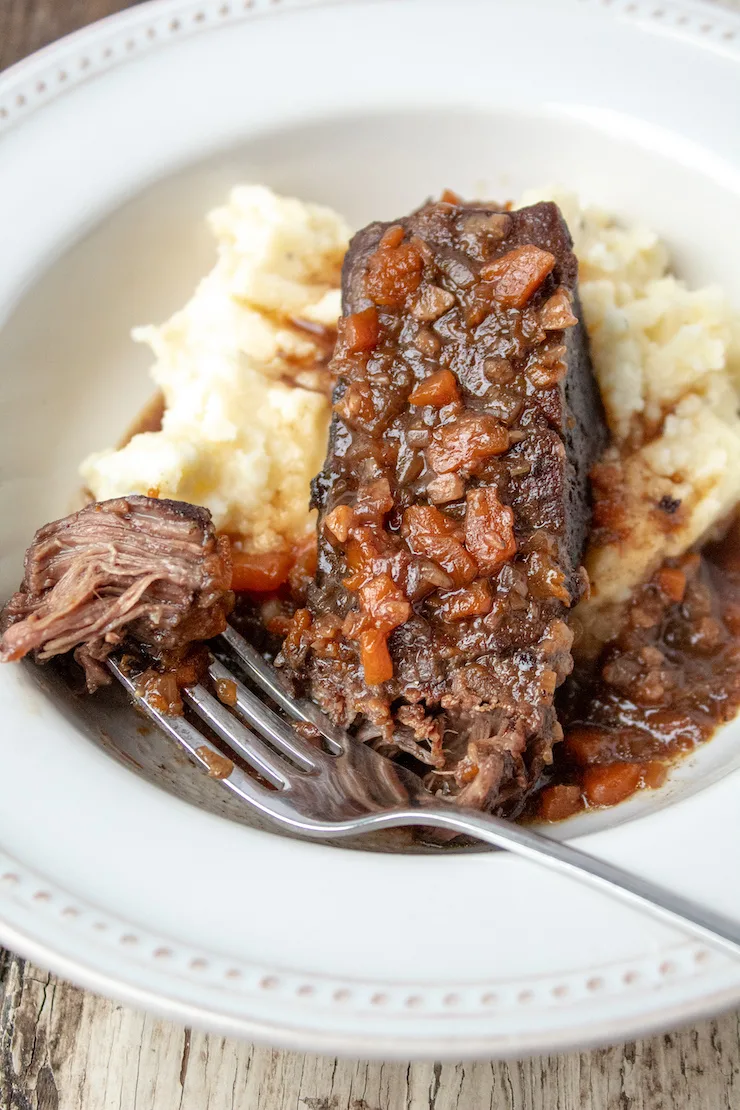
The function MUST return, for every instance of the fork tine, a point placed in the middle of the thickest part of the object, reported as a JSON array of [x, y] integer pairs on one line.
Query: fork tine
[[266, 678], [268, 724], [194, 742], [239, 738]]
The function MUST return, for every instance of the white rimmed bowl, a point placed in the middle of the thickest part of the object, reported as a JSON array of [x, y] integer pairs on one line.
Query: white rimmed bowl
[[120, 867]]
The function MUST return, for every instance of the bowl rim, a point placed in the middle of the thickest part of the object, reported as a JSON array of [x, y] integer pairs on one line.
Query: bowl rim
[[28, 86]]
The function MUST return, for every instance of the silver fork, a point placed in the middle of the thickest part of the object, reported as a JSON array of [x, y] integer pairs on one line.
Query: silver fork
[[344, 788]]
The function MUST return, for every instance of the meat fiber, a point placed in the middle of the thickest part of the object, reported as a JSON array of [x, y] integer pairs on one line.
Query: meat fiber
[[133, 570]]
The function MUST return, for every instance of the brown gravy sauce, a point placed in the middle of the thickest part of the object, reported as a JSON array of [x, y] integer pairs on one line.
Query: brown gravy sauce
[[662, 687], [148, 420]]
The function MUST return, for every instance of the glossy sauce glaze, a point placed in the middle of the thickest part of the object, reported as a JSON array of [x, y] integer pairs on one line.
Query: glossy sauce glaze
[[662, 687], [667, 681]]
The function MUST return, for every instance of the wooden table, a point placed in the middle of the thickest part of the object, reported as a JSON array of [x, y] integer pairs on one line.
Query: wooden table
[[65, 1049]]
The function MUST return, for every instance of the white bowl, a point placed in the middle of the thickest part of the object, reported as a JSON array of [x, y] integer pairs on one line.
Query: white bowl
[[120, 865]]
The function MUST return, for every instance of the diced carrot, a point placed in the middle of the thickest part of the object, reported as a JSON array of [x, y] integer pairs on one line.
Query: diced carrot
[[375, 657], [392, 236], [518, 274], [360, 330], [438, 389], [260, 572], [367, 553], [559, 801], [354, 558], [467, 442], [608, 784], [654, 774], [393, 273], [444, 488], [460, 605], [384, 602], [374, 499], [383, 607], [339, 521], [557, 313], [672, 582], [354, 623], [588, 745], [450, 197], [545, 578], [489, 529], [428, 519], [429, 532]]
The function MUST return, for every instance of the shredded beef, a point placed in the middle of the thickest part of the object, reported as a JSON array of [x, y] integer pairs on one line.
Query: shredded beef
[[136, 569]]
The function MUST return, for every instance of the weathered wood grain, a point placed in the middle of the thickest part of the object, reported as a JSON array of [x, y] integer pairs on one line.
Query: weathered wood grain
[[65, 1049], [27, 25]]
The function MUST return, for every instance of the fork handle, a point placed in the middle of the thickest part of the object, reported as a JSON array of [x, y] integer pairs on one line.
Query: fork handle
[[672, 909]]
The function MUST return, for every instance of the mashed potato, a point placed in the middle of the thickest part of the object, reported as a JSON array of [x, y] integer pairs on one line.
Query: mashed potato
[[238, 434], [667, 360]]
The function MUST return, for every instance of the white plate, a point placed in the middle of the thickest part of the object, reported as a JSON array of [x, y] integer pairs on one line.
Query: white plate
[[114, 143]]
